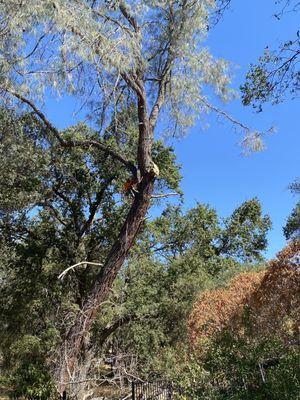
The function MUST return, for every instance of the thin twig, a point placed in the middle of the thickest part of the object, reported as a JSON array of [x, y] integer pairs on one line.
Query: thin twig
[[224, 114]]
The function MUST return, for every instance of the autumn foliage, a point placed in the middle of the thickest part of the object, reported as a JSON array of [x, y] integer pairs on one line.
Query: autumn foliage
[[275, 305], [215, 309], [270, 300]]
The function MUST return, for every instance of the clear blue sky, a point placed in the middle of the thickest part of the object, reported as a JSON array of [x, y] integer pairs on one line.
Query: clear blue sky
[[214, 171]]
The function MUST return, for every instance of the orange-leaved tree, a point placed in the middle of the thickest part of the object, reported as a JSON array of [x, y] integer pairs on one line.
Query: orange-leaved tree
[[270, 300]]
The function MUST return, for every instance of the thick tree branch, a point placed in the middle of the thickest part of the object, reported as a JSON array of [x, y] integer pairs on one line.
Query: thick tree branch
[[124, 10], [145, 142], [105, 277], [111, 328], [160, 99], [132, 83]]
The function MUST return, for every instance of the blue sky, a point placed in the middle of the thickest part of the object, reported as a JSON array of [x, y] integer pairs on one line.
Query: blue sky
[[213, 168], [214, 171]]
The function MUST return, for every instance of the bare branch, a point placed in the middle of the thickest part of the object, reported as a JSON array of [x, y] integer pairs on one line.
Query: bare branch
[[63, 274], [224, 114], [160, 196], [39, 114], [113, 20]]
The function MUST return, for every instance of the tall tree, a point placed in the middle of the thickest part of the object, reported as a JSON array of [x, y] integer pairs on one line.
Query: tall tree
[[107, 54], [68, 210]]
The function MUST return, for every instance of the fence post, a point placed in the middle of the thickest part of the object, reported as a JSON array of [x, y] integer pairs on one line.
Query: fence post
[[132, 390], [170, 391]]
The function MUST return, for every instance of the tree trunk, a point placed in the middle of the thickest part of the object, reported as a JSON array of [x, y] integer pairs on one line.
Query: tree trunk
[[71, 348], [73, 344]]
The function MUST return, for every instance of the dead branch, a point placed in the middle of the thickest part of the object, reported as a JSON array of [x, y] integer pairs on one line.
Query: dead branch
[[63, 274]]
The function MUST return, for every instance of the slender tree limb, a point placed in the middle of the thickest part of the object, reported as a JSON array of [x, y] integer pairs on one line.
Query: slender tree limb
[[39, 113], [94, 206], [72, 206], [163, 195], [160, 99], [74, 143], [224, 114], [55, 213]]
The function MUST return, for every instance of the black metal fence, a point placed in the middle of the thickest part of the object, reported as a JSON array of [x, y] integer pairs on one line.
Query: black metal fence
[[163, 390], [152, 391], [64, 396]]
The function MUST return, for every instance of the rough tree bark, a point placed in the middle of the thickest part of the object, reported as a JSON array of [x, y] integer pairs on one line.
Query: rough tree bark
[[74, 342]]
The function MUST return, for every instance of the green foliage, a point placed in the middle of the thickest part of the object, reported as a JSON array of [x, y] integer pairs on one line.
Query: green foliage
[[276, 75], [70, 206], [200, 232], [178, 255], [291, 229], [245, 231], [72, 212], [29, 374], [243, 368], [22, 161]]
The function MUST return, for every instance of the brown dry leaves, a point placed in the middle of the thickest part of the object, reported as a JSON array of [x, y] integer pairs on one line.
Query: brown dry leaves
[[272, 299]]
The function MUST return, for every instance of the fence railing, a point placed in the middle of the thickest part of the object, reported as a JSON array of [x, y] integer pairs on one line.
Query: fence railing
[[152, 390], [163, 390]]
